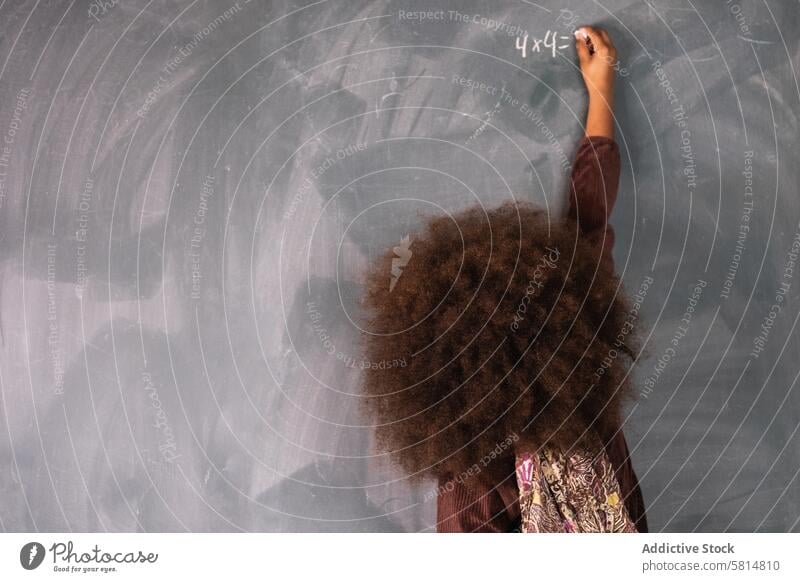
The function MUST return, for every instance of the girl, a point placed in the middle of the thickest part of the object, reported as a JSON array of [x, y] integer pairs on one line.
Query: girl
[[518, 342]]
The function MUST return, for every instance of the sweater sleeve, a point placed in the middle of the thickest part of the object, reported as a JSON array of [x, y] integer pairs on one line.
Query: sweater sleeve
[[475, 506], [593, 192]]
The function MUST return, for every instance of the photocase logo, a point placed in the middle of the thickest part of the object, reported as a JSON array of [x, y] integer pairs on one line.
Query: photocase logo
[[403, 255], [31, 555]]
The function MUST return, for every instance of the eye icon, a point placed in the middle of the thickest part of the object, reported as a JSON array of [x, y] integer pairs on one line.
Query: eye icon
[[31, 555]]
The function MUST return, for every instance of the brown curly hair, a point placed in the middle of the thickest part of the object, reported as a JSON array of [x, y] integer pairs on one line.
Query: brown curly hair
[[503, 326]]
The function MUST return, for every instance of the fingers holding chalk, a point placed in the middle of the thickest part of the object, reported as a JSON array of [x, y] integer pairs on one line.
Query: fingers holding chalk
[[597, 39], [582, 47], [584, 40]]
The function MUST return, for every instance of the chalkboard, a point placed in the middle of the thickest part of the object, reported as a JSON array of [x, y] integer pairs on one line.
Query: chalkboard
[[190, 193]]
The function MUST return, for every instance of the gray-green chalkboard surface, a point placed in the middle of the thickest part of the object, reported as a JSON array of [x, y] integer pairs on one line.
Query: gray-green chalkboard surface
[[191, 191]]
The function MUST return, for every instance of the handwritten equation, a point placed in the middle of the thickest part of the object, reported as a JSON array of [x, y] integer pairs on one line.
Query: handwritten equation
[[552, 41]]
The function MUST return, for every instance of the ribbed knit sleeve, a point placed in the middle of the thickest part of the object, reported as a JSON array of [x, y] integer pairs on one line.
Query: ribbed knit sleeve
[[595, 179], [593, 191], [472, 505]]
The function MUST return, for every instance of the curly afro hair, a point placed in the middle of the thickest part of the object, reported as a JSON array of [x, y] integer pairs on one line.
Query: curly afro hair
[[502, 327]]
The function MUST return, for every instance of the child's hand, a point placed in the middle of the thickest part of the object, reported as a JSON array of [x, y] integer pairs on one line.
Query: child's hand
[[597, 57]]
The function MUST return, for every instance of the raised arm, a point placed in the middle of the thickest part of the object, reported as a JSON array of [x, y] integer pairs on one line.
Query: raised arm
[[596, 168], [595, 179]]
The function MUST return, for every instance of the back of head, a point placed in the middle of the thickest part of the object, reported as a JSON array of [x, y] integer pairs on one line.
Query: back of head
[[513, 333]]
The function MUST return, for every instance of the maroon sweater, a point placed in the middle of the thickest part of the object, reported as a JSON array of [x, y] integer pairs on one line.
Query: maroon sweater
[[472, 505]]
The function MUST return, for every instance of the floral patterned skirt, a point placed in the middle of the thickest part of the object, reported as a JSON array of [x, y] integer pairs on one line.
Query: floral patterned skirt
[[574, 493]]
